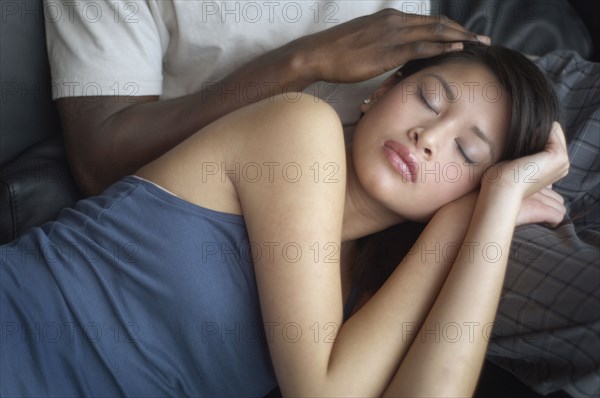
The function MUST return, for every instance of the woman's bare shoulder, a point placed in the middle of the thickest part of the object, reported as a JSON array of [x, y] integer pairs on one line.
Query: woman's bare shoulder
[[288, 134], [282, 139], [285, 122]]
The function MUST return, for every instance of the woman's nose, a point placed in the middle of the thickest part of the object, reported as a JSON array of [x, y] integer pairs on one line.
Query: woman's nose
[[425, 140]]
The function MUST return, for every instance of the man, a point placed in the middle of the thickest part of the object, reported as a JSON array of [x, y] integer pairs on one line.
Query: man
[[134, 79]]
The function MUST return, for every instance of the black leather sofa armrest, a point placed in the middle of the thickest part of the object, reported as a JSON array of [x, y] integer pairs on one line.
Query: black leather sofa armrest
[[34, 187]]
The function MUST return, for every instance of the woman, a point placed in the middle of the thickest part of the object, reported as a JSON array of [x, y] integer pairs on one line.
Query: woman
[[258, 213]]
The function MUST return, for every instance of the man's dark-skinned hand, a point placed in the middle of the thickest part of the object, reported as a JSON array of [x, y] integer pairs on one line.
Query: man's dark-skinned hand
[[369, 46]]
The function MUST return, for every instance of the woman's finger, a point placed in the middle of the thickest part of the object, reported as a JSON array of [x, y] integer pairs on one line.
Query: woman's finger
[[551, 199], [552, 194], [553, 217], [547, 199], [560, 134], [539, 208], [557, 141]]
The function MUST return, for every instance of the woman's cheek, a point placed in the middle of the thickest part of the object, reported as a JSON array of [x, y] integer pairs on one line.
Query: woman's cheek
[[448, 190]]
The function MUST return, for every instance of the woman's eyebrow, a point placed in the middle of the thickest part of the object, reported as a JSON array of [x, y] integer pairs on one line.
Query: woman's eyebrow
[[479, 133]]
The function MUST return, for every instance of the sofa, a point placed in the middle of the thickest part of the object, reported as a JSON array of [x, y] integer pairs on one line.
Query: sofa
[[35, 181]]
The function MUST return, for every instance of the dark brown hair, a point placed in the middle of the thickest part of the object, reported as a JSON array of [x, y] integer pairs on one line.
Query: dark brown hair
[[533, 109]]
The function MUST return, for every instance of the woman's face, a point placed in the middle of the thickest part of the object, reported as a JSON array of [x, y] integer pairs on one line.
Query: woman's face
[[427, 140]]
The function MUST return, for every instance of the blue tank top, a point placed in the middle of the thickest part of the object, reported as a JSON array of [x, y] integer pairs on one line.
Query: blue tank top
[[135, 292]]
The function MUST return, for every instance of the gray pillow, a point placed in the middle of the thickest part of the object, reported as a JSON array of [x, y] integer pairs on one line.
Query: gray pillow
[[547, 330]]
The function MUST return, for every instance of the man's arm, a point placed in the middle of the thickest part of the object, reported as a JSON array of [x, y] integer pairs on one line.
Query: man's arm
[[109, 137]]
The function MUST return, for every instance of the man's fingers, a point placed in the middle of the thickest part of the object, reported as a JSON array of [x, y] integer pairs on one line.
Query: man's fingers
[[434, 32], [430, 27], [422, 49], [417, 19]]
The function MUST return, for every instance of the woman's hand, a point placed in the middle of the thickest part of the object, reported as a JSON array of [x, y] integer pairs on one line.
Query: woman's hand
[[530, 174], [545, 206], [531, 177], [371, 45]]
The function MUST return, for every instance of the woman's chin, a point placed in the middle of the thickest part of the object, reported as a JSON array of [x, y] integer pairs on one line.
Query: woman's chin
[[420, 217]]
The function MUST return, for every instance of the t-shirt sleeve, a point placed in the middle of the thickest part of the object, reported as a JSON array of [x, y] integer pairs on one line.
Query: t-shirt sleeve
[[103, 48]]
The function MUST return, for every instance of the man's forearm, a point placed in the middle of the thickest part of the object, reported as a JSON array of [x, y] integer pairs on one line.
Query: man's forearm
[[129, 133]]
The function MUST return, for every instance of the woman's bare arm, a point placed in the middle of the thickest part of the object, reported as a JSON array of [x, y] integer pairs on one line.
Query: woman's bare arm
[[448, 351]]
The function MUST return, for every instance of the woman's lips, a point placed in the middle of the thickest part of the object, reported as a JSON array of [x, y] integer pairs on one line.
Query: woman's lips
[[401, 160]]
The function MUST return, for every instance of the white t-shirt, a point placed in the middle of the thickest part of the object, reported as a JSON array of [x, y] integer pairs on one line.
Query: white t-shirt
[[174, 48]]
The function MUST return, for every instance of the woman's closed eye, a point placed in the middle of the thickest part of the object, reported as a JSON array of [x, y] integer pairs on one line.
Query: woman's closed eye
[[428, 105], [462, 152], [425, 101]]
